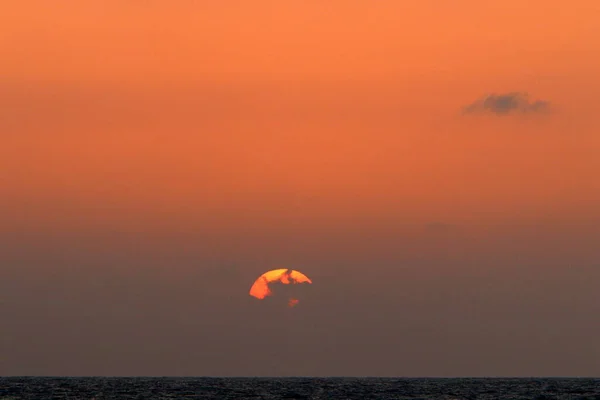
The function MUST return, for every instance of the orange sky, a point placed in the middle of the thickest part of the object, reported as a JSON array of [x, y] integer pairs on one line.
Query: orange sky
[[338, 40], [337, 107], [246, 121]]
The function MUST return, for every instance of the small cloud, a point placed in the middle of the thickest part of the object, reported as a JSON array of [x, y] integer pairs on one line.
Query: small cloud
[[505, 104]]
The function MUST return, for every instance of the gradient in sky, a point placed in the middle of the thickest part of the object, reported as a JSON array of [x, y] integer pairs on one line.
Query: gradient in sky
[[432, 166]]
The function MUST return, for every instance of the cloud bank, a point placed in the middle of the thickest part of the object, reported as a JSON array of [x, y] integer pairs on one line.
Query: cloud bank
[[505, 104]]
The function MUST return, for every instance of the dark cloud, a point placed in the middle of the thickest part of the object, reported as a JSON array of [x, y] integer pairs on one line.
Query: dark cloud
[[505, 104]]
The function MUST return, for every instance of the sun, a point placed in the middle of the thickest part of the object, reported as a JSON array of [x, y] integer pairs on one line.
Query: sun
[[260, 289]]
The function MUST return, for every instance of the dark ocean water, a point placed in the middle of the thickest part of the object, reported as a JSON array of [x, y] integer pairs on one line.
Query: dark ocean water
[[296, 388]]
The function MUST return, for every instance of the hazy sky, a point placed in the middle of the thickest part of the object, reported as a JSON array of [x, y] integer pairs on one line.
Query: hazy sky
[[432, 166]]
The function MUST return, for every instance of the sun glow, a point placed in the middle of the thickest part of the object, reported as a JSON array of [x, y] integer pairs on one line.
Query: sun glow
[[260, 289]]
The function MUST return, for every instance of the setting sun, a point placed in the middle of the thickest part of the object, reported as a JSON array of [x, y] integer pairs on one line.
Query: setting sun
[[260, 289]]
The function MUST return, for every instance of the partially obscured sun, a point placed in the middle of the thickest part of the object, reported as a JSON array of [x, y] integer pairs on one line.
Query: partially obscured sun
[[260, 289]]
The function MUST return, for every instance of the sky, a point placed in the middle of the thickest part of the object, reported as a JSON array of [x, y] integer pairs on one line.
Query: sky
[[431, 166]]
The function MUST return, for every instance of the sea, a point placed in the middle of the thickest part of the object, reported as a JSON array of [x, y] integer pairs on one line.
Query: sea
[[101, 388]]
